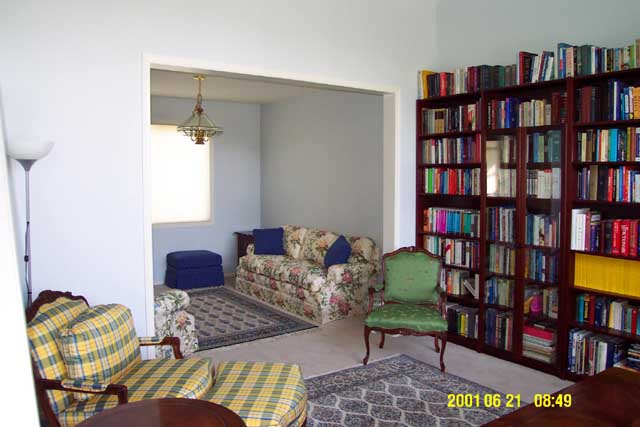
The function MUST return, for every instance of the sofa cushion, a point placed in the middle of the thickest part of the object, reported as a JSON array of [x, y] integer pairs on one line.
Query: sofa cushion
[[100, 345], [363, 249], [269, 241], [149, 379], [44, 344], [338, 253], [293, 238], [263, 394], [315, 245], [193, 259], [299, 272]]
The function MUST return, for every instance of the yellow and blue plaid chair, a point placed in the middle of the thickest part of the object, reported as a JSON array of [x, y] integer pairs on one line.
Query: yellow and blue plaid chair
[[87, 360]]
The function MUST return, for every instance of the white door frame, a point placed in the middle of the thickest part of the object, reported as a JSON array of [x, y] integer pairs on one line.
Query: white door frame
[[391, 147]]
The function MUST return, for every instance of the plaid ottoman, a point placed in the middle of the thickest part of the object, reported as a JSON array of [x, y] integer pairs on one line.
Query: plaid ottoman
[[263, 394]]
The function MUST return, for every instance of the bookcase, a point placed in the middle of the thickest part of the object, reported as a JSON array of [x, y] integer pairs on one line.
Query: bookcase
[[500, 174]]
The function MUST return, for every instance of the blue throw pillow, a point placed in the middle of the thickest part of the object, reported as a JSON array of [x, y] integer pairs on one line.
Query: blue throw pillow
[[269, 241], [338, 253]]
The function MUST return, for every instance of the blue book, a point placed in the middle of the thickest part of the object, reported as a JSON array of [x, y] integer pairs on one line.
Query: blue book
[[613, 145]]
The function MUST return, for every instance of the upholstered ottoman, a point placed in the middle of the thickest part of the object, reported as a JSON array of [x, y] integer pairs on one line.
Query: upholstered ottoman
[[263, 394], [194, 269]]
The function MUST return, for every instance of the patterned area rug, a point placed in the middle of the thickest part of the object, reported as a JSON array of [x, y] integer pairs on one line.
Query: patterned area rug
[[398, 391], [224, 317]]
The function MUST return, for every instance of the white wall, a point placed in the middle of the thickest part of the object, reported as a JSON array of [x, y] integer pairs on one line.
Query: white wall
[[472, 32], [74, 69], [322, 163], [235, 181]]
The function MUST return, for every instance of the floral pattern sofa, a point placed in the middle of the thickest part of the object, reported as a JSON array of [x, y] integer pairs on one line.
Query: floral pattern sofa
[[299, 283], [172, 320]]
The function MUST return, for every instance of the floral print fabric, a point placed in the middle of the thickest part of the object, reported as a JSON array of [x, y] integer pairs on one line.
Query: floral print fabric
[[293, 238], [173, 321]]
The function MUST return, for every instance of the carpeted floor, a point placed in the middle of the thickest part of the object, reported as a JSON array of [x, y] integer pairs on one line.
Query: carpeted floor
[[397, 391], [224, 318]]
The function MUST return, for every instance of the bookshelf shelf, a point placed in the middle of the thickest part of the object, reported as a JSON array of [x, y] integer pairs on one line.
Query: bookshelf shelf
[[455, 134], [459, 267], [631, 258], [449, 165], [606, 124], [511, 173], [607, 331]]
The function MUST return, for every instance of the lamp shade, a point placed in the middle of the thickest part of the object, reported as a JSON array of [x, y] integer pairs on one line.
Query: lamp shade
[[29, 149]]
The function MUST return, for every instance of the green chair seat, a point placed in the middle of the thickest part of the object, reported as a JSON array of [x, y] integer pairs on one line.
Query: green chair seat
[[407, 316]]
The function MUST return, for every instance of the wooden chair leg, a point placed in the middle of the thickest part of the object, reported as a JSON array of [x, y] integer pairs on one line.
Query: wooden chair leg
[[435, 342], [382, 340], [367, 331], [444, 345]]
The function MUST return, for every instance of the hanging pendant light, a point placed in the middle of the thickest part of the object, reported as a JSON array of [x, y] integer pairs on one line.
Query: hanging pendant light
[[199, 127]]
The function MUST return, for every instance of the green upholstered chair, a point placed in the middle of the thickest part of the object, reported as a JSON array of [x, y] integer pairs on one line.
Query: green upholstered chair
[[412, 300]]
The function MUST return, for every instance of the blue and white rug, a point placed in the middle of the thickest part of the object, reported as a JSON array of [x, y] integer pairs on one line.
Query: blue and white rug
[[224, 317], [398, 391]]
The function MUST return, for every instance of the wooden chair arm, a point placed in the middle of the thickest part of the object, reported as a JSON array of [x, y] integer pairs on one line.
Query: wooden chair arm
[[442, 304], [119, 390], [372, 290], [174, 342]]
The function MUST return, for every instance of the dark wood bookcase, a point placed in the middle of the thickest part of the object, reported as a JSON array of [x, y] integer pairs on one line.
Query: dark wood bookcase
[[568, 166]]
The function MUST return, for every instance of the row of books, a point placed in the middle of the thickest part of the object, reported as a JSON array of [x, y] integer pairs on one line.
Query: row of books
[[622, 102], [588, 59], [458, 282], [539, 342], [465, 80], [533, 67], [465, 222], [498, 329], [544, 147], [501, 259], [513, 112], [632, 362], [590, 233], [606, 274], [590, 353], [604, 312], [541, 302], [541, 266], [544, 183], [455, 252], [612, 184], [462, 320], [501, 182], [500, 224], [462, 182], [452, 150], [608, 145], [542, 230], [498, 290], [451, 119]]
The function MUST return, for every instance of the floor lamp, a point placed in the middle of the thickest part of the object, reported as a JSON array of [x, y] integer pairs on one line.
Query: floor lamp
[[27, 153]]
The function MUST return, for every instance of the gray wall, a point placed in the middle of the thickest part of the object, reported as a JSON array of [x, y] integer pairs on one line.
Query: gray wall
[[236, 181], [322, 163]]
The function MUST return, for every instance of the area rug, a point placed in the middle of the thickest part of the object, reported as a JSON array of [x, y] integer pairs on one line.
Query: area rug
[[224, 317], [398, 391]]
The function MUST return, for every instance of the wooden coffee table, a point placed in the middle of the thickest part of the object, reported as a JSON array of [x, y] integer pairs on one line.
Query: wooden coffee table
[[611, 398], [166, 413]]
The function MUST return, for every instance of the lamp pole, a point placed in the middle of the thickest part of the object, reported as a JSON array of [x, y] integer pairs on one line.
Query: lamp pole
[[26, 164]]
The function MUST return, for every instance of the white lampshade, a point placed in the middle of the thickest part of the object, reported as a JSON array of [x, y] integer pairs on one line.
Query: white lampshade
[[29, 149]]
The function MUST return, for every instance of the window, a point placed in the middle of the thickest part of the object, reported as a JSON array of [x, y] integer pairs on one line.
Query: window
[[180, 177]]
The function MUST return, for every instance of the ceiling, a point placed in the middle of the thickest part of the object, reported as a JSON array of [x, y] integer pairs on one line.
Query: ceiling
[[249, 89]]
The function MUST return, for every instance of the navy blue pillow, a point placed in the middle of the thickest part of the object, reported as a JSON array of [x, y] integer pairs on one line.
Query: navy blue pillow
[[269, 241], [338, 253]]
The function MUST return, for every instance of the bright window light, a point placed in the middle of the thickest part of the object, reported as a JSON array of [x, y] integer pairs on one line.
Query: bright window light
[[181, 177]]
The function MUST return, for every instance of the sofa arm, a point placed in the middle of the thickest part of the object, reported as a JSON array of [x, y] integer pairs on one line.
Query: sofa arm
[[119, 390], [359, 273], [171, 301], [174, 342]]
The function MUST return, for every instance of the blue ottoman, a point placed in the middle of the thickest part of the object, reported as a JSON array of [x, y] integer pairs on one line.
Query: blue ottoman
[[194, 269]]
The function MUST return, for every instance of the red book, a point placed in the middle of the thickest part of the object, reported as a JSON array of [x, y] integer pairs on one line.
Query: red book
[[625, 189], [539, 333], [634, 320], [633, 237], [587, 235], [624, 237], [443, 84], [610, 185], [592, 310], [615, 238]]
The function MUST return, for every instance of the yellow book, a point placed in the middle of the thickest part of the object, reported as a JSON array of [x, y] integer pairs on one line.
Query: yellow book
[[425, 83], [619, 276]]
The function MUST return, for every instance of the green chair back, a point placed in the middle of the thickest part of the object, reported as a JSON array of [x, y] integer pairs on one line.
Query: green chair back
[[411, 277]]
